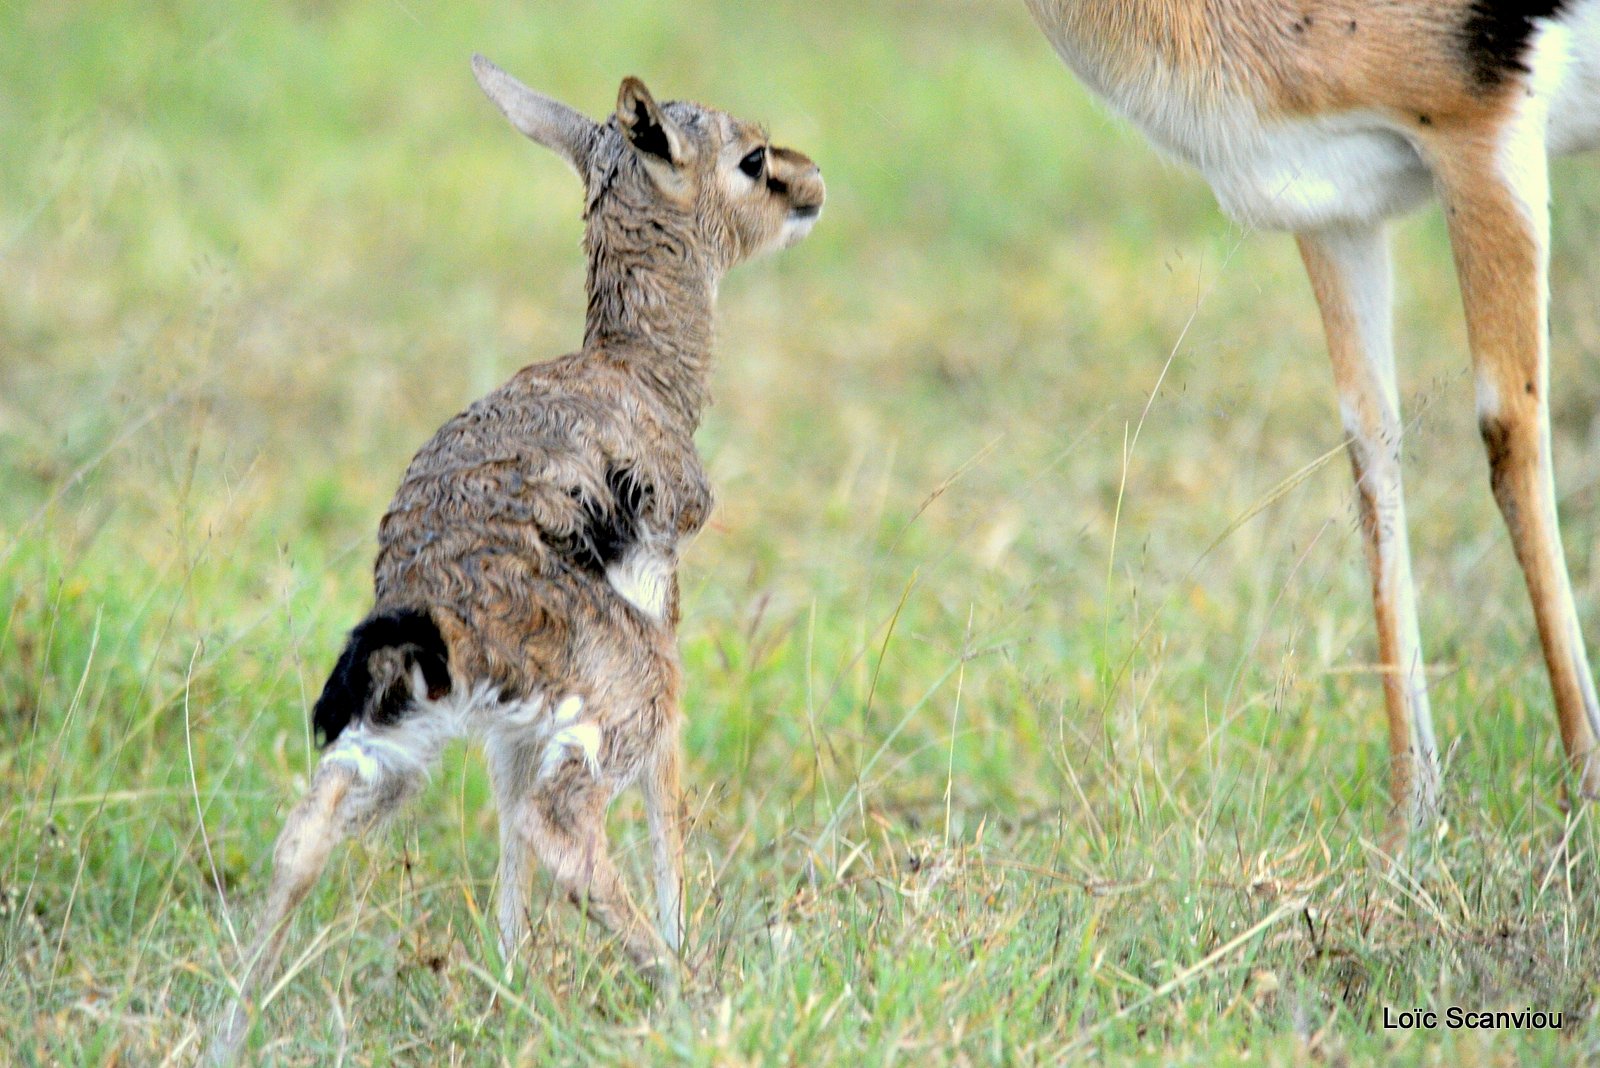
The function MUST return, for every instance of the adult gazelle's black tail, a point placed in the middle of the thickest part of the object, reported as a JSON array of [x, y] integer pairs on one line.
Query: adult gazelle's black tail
[[355, 692]]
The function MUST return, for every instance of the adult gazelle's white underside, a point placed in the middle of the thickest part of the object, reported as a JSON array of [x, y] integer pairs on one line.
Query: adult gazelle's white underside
[[1327, 117], [1352, 167]]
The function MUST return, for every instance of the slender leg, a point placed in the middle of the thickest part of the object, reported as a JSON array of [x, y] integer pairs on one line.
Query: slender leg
[[359, 782], [511, 769], [565, 826], [309, 835], [663, 809], [1497, 204], [516, 882], [1350, 275]]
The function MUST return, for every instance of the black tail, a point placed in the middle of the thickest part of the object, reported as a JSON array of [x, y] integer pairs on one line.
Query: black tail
[[348, 691]]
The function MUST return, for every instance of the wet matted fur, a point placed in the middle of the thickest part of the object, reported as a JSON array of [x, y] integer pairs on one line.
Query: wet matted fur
[[526, 581]]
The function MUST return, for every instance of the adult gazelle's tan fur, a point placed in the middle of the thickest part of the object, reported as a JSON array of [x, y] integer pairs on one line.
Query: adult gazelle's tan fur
[[526, 581], [1327, 117]]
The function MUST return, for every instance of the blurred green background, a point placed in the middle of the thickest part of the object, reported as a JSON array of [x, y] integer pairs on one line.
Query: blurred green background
[[1026, 707]]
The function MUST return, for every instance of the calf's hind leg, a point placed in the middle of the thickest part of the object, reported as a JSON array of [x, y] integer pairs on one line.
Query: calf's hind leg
[[361, 781], [564, 825], [663, 804]]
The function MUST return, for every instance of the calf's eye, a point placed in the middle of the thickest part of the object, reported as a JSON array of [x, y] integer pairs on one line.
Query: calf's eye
[[754, 163]]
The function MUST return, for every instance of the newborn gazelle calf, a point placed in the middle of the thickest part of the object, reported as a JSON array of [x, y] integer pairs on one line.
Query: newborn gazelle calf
[[526, 576]]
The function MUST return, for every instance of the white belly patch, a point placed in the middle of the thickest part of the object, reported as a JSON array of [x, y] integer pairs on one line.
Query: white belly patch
[[644, 579], [1273, 174], [1308, 174]]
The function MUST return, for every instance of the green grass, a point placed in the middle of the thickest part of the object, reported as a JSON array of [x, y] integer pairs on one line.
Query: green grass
[[1027, 722]]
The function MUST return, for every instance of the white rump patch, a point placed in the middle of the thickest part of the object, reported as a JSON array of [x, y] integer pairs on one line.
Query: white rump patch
[[406, 749], [1566, 62], [352, 752], [643, 579], [390, 751]]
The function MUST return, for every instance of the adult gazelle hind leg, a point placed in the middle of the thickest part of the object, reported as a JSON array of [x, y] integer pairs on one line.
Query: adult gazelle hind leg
[[1350, 274], [361, 781], [1496, 198]]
